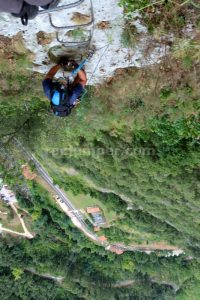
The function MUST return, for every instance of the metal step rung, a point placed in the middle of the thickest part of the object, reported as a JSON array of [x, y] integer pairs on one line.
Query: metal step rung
[[75, 44], [75, 26], [89, 36], [58, 8], [72, 26], [68, 44]]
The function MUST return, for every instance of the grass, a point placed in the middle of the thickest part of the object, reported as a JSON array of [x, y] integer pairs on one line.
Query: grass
[[129, 36], [9, 221], [28, 222], [43, 183], [168, 16], [22, 160], [4, 207], [82, 201], [138, 237], [77, 35]]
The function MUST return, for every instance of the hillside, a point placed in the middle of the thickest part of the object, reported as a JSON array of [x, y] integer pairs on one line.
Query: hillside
[[129, 151]]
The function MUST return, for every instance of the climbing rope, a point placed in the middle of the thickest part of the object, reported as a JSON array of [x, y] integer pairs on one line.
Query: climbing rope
[[106, 48]]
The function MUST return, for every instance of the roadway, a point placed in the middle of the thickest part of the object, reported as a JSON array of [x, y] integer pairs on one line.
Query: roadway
[[75, 215]]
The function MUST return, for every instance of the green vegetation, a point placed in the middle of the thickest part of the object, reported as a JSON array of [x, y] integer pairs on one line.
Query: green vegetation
[[17, 273], [82, 201], [134, 141], [20, 96], [162, 15], [77, 34], [129, 35], [70, 254]]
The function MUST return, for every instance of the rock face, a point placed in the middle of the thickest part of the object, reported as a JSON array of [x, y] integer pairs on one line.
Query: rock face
[[56, 52], [104, 25], [44, 38], [39, 37], [79, 18], [11, 46]]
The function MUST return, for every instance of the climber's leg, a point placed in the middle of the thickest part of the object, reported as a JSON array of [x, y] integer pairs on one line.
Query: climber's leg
[[11, 6], [44, 3]]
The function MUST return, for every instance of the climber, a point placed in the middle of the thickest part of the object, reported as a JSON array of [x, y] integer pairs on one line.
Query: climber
[[26, 10], [63, 97]]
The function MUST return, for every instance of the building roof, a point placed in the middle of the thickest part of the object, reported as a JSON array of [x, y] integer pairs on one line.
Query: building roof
[[102, 238], [119, 251], [93, 209], [116, 250], [7, 194]]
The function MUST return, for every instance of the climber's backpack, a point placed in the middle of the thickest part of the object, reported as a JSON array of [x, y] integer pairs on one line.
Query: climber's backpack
[[62, 108]]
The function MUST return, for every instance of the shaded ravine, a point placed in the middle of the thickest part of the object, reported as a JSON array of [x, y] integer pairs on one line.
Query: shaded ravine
[[72, 172]]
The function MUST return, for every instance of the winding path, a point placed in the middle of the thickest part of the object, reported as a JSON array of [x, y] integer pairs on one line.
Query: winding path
[[26, 232]]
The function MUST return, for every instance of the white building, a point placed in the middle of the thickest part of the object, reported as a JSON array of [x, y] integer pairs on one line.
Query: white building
[[7, 195]]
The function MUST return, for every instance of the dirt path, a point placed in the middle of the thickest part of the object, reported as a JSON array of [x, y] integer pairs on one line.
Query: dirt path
[[26, 233], [58, 279], [124, 283], [29, 236], [151, 247]]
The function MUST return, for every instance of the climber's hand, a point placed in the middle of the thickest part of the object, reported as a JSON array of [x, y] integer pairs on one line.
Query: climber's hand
[[73, 64]]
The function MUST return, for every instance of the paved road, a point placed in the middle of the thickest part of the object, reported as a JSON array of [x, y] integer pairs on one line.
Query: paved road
[[72, 211]]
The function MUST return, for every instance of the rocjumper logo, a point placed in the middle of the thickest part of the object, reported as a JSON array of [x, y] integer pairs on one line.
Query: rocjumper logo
[[102, 152]]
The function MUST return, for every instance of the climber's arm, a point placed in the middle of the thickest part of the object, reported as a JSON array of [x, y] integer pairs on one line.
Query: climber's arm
[[52, 72], [81, 78]]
